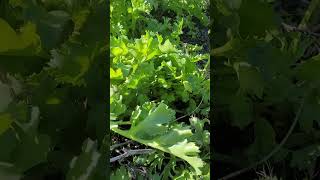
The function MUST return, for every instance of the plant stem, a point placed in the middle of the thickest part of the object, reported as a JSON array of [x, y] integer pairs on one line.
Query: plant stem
[[131, 153]]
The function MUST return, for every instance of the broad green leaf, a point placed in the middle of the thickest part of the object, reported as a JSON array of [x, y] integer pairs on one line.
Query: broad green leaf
[[31, 151], [269, 60], [140, 73], [154, 124], [250, 79], [167, 47], [12, 41], [154, 131]]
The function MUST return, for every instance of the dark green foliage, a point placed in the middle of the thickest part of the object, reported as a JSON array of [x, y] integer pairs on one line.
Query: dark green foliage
[[260, 77], [53, 80]]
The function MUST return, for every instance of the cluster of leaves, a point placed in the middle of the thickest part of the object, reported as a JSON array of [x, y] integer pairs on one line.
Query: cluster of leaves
[[154, 80], [52, 89], [261, 76]]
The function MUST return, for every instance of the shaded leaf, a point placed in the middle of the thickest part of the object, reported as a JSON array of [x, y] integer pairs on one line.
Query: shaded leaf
[[84, 166]]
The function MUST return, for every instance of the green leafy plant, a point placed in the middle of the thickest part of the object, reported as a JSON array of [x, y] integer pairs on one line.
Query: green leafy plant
[[159, 92]]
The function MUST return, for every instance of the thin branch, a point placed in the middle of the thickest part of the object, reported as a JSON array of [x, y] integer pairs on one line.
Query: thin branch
[[119, 145], [131, 153]]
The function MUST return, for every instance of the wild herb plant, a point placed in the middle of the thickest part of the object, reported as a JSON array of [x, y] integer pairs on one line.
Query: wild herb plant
[[159, 92]]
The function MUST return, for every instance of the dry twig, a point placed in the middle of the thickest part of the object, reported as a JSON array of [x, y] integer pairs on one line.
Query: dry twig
[[131, 153]]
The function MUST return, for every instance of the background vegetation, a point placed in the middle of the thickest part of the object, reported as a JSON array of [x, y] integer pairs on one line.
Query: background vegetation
[[53, 90], [266, 87]]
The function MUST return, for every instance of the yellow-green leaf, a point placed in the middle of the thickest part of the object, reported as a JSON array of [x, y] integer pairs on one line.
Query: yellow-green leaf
[[116, 74], [5, 122], [116, 51], [10, 40]]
